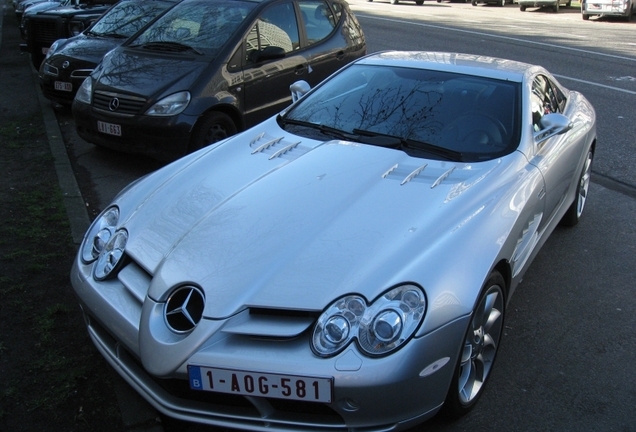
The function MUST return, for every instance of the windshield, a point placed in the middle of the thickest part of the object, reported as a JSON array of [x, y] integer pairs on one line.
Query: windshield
[[200, 25], [128, 17], [471, 117]]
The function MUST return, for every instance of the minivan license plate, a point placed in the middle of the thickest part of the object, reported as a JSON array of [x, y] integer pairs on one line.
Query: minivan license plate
[[309, 389], [63, 86], [109, 128]]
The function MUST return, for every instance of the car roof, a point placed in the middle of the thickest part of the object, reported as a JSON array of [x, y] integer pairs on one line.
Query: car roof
[[469, 64]]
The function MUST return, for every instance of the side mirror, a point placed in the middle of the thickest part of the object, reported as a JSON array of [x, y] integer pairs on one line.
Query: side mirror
[[267, 53], [298, 89], [551, 125]]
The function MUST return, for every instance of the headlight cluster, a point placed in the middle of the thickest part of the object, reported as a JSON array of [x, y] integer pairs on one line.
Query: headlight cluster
[[170, 105], [379, 328], [104, 244], [76, 27], [85, 92]]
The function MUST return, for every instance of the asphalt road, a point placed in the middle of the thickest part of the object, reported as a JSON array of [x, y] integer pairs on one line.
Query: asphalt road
[[566, 362]]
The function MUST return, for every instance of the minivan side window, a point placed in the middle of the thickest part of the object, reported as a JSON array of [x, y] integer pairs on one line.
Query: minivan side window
[[319, 20], [277, 26]]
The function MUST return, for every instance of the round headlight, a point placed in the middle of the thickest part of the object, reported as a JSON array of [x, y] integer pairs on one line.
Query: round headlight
[[99, 234], [387, 326], [111, 255]]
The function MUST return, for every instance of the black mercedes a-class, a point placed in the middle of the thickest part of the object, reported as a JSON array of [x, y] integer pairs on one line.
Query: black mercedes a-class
[[69, 61], [207, 69]]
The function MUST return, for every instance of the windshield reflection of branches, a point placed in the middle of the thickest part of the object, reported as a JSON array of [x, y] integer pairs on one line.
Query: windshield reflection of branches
[[401, 110], [127, 18], [390, 105], [200, 25]]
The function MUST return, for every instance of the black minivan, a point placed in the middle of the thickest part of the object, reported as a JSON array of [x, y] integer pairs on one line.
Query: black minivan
[[210, 68]]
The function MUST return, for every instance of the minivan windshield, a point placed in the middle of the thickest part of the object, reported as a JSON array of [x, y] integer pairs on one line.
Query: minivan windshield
[[441, 114], [127, 18], [200, 26]]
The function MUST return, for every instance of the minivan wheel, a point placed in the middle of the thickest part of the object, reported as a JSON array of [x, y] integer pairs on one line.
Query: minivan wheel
[[213, 127]]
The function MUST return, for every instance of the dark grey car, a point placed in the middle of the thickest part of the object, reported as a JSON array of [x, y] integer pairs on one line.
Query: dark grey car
[[209, 68]]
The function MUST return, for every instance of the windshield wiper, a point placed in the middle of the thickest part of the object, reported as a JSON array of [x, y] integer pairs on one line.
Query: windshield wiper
[[327, 130], [110, 35], [411, 144], [168, 46]]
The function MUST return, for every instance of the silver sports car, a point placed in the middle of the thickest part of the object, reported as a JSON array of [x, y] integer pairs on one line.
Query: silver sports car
[[345, 265]]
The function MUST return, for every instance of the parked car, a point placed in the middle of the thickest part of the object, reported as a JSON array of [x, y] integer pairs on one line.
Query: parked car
[[209, 68], [554, 4], [69, 61], [35, 9], [417, 2], [45, 27], [618, 8], [501, 3], [347, 264], [22, 5]]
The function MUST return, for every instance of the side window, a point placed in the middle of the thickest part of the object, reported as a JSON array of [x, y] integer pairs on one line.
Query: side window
[[276, 27], [318, 18], [558, 97], [543, 100]]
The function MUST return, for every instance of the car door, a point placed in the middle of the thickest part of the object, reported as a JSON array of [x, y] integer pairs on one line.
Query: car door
[[267, 74], [326, 52], [556, 157]]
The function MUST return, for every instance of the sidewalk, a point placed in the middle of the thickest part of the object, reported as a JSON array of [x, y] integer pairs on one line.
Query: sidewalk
[[21, 98]]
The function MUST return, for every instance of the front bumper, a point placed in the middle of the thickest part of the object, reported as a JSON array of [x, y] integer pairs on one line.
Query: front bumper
[[164, 138], [370, 394]]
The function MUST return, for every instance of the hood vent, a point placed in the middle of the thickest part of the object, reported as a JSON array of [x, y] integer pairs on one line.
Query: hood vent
[[395, 171], [275, 147]]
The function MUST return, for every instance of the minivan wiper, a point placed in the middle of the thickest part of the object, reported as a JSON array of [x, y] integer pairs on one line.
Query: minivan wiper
[[110, 35], [411, 144], [168, 46]]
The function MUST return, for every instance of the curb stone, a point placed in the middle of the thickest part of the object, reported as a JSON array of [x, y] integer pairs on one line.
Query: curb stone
[[137, 415]]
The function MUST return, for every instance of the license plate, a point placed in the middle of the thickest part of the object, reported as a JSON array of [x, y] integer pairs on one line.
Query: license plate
[[310, 389], [63, 86], [109, 128]]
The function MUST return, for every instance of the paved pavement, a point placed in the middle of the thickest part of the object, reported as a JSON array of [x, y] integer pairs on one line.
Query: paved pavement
[[137, 414]]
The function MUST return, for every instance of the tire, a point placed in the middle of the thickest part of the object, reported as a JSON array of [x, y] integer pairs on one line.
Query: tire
[[421, 2], [556, 7], [585, 17], [574, 212], [569, 3], [369, 1], [522, 8], [394, 2], [212, 127], [478, 350], [501, 3], [474, 3]]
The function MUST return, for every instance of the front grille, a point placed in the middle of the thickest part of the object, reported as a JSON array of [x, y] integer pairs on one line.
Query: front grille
[[44, 32], [129, 105]]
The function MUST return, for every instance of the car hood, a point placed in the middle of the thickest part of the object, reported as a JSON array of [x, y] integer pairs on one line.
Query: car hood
[[279, 221], [40, 7], [90, 49], [147, 73]]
